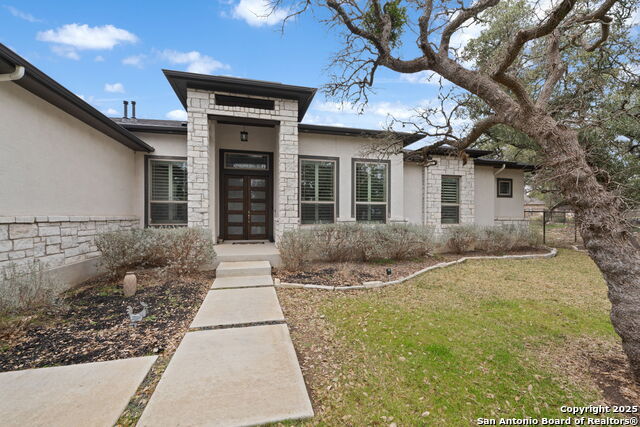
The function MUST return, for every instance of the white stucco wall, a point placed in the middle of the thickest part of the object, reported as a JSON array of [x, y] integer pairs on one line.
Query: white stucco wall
[[165, 145], [489, 207], [53, 164], [511, 207], [413, 193], [485, 195], [347, 148]]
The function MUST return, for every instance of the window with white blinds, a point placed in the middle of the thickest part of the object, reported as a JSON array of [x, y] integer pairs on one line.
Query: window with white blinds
[[167, 192], [450, 200], [371, 192], [317, 191]]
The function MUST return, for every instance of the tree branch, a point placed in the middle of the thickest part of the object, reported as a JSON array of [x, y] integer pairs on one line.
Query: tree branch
[[555, 70], [463, 16]]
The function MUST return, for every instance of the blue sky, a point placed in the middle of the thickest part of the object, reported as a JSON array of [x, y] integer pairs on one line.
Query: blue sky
[[110, 51]]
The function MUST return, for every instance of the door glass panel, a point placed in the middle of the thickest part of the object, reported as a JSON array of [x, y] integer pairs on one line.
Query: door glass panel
[[235, 218], [236, 182], [234, 206], [258, 182], [235, 230], [246, 161], [258, 206], [257, 218], [235, 194], [258, 229], [260, 195]]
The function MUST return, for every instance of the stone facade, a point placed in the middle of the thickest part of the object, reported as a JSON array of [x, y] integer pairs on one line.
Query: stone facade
[[451, 166], [201, 146], [55, 241]]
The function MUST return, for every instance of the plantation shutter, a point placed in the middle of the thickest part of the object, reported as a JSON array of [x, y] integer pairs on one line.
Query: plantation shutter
[[317, 191], [168, 192], [450, 200], [371, 192]]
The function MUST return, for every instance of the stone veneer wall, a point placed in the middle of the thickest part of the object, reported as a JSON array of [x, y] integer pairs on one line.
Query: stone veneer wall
[[56, 241], [201, 104], [432, 188]]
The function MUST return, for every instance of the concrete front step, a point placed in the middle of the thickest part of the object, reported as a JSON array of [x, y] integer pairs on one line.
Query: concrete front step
[[226, 252], [242, 282], [243, 268]]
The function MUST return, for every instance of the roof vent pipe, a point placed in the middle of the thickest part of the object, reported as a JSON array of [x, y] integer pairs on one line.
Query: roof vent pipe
[[17, 74], [133, 109], [126, 107]]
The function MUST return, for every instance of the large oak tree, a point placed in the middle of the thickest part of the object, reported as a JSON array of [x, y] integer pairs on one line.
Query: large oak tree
[[512, 90]]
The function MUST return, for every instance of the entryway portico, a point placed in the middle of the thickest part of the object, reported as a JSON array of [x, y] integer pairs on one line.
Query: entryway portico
[[242, 154]]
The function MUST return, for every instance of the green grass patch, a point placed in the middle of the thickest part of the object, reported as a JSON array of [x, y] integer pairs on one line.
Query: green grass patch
[[461, 343]]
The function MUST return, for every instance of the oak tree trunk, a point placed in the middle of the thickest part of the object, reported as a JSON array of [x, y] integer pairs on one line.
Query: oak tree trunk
[[601, 222]]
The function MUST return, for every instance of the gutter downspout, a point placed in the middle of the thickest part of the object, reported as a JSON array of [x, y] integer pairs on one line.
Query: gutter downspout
[[17, 74], [499, 171]]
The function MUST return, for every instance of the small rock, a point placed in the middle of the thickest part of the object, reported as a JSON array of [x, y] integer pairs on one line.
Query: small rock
[[425, 414], [402, 358]]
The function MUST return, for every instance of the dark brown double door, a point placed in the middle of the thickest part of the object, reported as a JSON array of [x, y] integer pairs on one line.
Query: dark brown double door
[[246, 207]]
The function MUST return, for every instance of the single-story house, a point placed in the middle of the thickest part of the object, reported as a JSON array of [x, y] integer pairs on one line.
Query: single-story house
[[242, 165]]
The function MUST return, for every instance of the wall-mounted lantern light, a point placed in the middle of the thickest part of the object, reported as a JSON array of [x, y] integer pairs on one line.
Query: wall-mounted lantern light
[[244, 136]]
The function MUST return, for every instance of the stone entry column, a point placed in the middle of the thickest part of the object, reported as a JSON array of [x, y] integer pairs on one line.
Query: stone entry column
[[198, 160], [287, 215]]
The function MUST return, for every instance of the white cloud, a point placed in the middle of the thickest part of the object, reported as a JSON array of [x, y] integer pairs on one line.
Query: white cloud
[[135, 60], [65, 52], [114, 87], [385, 109], [194, 60], [111, 112], [177, 115], [422, 77], [99, 58], [22, 15], [83, 37], [259, 12]]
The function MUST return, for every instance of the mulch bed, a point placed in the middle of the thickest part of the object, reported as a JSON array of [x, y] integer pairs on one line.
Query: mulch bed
[[355, 273], [94, 324]]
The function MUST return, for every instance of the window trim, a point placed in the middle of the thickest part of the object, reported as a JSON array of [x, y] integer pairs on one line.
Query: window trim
[[354, 162], [459, 178], [147, 183], [336, 186], [506, 196]]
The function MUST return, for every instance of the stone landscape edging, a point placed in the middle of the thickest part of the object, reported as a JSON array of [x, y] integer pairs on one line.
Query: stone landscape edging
[[373, 285]]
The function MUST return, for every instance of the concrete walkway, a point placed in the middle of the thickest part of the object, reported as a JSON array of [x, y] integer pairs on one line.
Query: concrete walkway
[[240, 368], [88, 394]]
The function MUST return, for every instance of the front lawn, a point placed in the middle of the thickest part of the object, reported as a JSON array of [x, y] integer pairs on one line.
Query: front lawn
[[490, 338]]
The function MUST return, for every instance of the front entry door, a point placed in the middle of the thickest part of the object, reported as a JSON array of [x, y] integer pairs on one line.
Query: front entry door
[[246, 207]]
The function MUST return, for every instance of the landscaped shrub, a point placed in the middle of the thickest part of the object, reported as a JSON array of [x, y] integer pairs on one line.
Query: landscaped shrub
[[27, 286], [340, 242], [178, 250], [505, 238], [296, 248], [461, 238], [399, 241], [354, 242]]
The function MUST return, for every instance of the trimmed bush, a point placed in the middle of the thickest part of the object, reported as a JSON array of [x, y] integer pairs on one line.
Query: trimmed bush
[[295, 249], [354, 242], [27, 286], [178, 250], [505, 238], [461, 238], [400, 242]]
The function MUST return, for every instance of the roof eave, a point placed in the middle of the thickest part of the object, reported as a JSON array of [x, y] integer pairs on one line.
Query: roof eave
[[304, 95], [43, 86]]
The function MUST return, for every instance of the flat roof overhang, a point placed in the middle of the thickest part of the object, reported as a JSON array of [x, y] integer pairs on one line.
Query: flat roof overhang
[[180, 81], [44, 87]]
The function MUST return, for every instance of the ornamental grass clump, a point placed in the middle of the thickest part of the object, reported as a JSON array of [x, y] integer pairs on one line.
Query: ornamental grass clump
[[28, 286]]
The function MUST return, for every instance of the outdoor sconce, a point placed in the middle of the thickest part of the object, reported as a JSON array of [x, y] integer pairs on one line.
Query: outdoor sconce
[[244, 136]]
